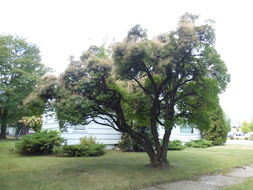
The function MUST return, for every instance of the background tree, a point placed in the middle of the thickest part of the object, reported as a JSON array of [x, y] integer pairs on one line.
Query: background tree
[[20, 71], [26, 123], [172, 79], [217, 132], [245, 127], [251, 125]]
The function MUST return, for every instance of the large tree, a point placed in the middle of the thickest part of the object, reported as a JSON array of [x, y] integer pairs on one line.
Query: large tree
[[20, 71], [173, 79]]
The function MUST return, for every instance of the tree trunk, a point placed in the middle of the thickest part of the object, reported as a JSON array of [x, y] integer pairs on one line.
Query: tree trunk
[[24, 130], [4, 124], [17, 134], [157, 158], [3, 129], [160, 160], [160, 163]]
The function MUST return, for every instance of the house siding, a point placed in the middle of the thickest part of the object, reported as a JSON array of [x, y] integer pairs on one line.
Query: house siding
[[106, 134]]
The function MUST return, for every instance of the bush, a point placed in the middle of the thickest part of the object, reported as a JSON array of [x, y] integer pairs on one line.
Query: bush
[[39, 143], [199, 143], [78, 150], [87, 141], [176, 145]]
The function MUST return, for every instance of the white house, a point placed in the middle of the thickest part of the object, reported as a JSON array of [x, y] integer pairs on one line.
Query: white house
[[107, 135]]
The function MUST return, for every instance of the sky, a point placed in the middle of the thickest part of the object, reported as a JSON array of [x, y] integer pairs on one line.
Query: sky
[[61, 28]]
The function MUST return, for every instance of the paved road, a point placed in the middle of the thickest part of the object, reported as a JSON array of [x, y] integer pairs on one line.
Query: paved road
[[209, 182], [240, 142]]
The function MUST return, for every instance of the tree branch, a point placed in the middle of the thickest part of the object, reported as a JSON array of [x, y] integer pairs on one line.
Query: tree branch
[[142, 87]]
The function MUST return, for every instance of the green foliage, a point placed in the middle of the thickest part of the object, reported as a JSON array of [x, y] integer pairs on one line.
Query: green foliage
[[43, 96], [20, 71], [245, 127], [81, 150], [137, 34], [32, 122], [199, 143], [87, 147], [87, 141], [39, 143], [176, 145], [217, 132], [172, 79], [251, 125], [129, 144], [126, 143]]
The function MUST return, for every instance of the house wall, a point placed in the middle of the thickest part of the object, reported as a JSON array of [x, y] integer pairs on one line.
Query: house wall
[[177, 134], [11, 131], [105, 134]]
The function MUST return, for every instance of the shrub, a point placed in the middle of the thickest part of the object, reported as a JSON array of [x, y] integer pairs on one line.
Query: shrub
[[58, 150], [199, 143], [175, 145], [39, 143], [78, 150], [87, 141]]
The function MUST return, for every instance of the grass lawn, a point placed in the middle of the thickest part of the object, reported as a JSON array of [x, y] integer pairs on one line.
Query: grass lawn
[[114, 170], [247, 185]]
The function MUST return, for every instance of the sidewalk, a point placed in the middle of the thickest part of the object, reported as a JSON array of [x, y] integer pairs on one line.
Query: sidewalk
[[209, 182]]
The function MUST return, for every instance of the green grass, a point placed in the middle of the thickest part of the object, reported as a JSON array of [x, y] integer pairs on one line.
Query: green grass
[[115, 170], [248, 184]]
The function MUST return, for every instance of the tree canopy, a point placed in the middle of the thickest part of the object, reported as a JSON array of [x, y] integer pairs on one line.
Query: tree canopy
[[174, 78], [20, 71]]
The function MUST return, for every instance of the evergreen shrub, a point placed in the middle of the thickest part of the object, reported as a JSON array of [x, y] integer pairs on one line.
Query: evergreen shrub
[[42, 142]]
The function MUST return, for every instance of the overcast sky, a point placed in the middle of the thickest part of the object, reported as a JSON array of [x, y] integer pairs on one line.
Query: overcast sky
[[61, 28]]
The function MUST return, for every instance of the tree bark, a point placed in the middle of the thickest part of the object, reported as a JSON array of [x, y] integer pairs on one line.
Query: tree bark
[[24, 130], [158, 162], [3, 129], [165, 145]]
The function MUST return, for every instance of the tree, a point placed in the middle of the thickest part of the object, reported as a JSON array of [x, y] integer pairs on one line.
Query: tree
[[129, 144], [251, 125], [26, 123], [172, 79], [217, 132], [245, 127], [20, 72]]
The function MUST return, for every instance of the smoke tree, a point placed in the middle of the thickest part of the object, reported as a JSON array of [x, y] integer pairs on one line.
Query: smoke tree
[[172, 79]]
